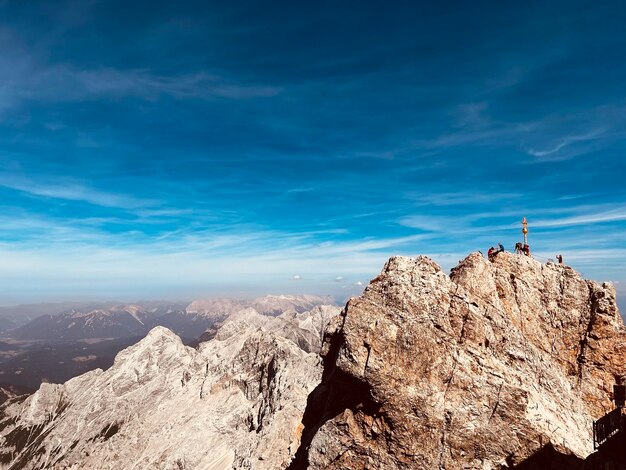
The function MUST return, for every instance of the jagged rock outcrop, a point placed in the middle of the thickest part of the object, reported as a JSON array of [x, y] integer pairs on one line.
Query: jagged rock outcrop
[[305, 329], [490, 367], [8, 391], [272, 305], [235, 402]]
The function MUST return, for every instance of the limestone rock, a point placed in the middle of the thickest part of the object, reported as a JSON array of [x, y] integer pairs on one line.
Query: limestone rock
[[235, 402], [477, 370]]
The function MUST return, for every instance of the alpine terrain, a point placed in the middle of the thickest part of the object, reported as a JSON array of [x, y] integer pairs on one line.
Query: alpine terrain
[[498, 365], [235, 402]]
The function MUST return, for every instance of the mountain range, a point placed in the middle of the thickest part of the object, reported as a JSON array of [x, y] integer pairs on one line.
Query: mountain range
[[133, 320], [502, 363], [64, 342], [234, 402]]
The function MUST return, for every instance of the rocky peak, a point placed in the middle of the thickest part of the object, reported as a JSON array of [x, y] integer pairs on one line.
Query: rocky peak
[[480, 369], [235, 402]]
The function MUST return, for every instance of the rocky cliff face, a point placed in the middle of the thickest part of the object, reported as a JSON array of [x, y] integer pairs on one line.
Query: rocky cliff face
[[483, 369], [236, 402]]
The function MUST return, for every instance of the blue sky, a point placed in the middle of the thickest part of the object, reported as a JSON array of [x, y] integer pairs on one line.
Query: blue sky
[[183, 149]]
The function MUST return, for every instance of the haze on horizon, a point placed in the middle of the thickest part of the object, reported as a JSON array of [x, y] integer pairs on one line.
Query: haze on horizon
[[174, 151]]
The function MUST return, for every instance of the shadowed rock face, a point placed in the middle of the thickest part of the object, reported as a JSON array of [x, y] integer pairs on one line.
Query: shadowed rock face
[[481, 369], [9, 391]]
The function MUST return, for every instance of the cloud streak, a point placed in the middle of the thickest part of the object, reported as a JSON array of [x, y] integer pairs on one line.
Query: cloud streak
[[72, 191], [567, 141], [616, 215], [28, 80]]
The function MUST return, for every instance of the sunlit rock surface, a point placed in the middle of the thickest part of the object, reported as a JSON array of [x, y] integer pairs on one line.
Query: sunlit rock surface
[[236, 402], [480, 369]]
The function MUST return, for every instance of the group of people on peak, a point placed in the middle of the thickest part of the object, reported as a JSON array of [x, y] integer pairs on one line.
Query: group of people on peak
[[494, 251], [520, 248]]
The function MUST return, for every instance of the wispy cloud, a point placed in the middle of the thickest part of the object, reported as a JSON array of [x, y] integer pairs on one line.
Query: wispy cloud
[[567, 141], [497, 223], [78, 258], [142, 83], [72, 191], [615, 215], [27, 79], [557, 137], [462, 198]]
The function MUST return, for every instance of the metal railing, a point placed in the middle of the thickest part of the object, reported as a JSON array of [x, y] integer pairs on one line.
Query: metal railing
[[606, 427]]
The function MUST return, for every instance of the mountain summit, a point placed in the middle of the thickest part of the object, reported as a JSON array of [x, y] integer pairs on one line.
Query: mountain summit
[[483, 369], [500, 364]]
